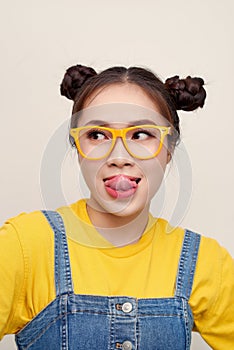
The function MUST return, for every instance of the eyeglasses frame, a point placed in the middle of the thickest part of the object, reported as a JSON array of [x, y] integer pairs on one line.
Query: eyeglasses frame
[[164, 131]]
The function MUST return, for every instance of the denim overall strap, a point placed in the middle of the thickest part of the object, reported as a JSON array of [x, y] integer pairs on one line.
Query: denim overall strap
[[187, 264], [63, 279]]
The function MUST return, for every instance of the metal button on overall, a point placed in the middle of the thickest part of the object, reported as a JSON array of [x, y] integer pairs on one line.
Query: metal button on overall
[[127, 345], [127, 307]]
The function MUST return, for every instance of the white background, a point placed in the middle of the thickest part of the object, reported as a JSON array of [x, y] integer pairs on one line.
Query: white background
[[39, 40]]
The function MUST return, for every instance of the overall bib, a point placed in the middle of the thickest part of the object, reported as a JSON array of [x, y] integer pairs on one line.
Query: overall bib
[[79, 322]]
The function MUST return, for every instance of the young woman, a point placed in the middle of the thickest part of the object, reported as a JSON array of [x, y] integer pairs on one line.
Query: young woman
[[103, 272]]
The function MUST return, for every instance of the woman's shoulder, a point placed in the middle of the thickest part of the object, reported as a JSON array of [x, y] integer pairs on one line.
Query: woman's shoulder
[[209, 248], [212, 260], [27, 227], [24, 219]]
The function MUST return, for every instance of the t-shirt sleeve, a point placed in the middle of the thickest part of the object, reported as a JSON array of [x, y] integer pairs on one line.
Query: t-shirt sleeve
[[214, 319], [12, 275]]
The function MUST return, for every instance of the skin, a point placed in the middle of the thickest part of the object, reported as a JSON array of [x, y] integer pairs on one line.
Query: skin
[[122, 221]]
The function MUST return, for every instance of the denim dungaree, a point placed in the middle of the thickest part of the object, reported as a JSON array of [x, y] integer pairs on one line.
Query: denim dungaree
[[79, 322]]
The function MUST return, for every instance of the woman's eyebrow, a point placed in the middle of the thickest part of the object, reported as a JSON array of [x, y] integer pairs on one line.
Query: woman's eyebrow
[[142, 122], [132, 123], [96, 122]]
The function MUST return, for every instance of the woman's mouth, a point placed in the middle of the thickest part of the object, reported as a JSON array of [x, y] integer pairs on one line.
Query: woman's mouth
[[121, 186]]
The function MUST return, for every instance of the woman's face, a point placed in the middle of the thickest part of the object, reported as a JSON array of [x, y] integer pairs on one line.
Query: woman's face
[[121, 184]]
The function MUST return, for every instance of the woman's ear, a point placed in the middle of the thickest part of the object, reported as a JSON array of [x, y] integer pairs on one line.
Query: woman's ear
[[169, 156]]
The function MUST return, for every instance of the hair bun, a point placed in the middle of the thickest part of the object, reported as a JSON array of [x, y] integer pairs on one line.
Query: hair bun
[[74, 78], [188, 94]]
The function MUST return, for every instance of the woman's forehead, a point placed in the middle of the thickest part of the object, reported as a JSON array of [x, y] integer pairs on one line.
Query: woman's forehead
[[121, 93], [117, 113]]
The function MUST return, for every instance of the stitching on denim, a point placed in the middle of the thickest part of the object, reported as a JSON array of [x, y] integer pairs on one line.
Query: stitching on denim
[[63, 254], [57, 251], [190, 246], [65, 314], [188, 323], [62, 262], [66, 254], [63, 325], [161, 315], [43, 330], [138, 338], [192, 266], [112, 328], [191, 270], [186, 326]]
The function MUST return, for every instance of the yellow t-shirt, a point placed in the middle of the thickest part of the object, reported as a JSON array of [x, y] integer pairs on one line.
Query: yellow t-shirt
[[146, 269]]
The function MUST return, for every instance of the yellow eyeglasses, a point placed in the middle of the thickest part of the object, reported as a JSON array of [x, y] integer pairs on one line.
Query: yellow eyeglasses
[[141, 141]]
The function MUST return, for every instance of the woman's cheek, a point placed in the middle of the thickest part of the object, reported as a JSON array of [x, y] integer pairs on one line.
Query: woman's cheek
[[90, 170], [153, 170]]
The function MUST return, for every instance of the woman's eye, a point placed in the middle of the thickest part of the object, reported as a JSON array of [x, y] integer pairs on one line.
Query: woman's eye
[[96, 135], [141, 135]]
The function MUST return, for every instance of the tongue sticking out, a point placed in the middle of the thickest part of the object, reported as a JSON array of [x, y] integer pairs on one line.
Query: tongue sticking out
[[121, 186]]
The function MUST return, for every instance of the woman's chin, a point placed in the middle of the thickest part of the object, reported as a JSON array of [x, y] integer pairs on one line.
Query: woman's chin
[[125, 204]]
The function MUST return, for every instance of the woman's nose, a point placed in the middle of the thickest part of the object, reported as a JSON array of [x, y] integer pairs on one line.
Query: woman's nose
[[119, 156]]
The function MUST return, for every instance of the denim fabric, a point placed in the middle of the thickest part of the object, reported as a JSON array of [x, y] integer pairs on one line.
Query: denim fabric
[[78, 322]]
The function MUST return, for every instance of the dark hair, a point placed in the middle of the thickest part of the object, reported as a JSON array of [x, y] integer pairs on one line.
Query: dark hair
[[80, 82]]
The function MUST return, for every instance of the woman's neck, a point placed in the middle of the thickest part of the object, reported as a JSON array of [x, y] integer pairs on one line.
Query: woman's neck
[[119, 230]]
